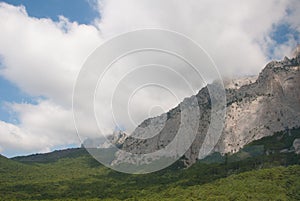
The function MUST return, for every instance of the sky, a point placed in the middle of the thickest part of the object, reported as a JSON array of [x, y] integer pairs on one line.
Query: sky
[[43, 45]]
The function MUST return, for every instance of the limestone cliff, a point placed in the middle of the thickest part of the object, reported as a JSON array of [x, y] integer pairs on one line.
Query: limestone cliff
[[256, 107]]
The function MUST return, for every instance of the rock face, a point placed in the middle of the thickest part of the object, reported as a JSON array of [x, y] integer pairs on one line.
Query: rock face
[[239, 82], [117, 139], [256, 107], [296, 145], [270, 104]]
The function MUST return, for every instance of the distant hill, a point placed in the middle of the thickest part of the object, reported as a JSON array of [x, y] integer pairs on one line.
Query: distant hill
[[52, 156], [7, 164]]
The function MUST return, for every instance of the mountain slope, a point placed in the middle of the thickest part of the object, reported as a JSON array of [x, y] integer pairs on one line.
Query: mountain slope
[[7, 164], [254, 110], [268, 184], [80, 177]]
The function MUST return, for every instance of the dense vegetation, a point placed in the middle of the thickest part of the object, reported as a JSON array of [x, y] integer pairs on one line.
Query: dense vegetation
[[260, 171]]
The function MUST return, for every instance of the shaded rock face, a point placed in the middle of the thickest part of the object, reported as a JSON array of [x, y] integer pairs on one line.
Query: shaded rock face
[[254, 109], [296, 145], [297, 54]]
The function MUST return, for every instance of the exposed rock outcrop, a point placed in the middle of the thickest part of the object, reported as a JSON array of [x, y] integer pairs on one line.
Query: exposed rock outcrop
[[296, 145], [116, 139], [255, 108], [270, 104]]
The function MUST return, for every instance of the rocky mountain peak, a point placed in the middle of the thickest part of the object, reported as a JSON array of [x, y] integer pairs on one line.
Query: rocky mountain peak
[[255, 108], [297, 51], [297, 54], [117, 138]]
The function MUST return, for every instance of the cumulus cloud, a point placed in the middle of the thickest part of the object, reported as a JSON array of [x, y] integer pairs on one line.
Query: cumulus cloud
[[234, 33], [41, 127], [291, 22], [43, 57]]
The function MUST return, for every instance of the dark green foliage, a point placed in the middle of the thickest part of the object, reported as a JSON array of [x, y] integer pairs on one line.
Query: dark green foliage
[[214, 158], [250, 174], [278, 141]]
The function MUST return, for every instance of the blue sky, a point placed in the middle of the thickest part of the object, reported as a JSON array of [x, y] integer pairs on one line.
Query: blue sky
[[81, 11], [277, 33], [283, 32]]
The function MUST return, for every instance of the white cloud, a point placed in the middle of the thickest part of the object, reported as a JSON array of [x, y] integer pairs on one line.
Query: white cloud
[[41, 127], [291, 21], [233, 33], [43, 57], [294, 15]]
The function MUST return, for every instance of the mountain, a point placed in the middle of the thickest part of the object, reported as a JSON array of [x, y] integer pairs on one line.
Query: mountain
[[255, 108], [263, 164], [269, 105]]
